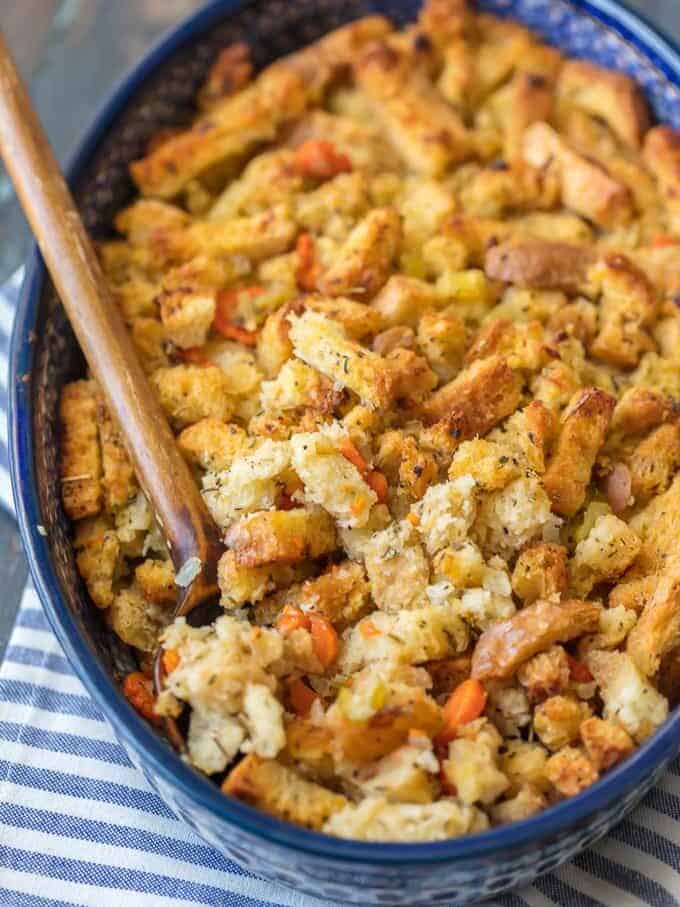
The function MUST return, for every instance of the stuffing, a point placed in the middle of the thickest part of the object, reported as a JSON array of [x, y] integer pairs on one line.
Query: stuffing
[[472, 770], [136, 620], [521, 345], [639, 410], [605, 742], [397, 569], [546, 674], [341, 594], [375, 819], [156, 579], [462, 567], [187, 316], [523, 764], [657, 631], [357, 318], [571, 771], [212, 444], [609, 548], [539, 264], [280, 791], [616, 622], [527, 802], [654, 461], [506, 645], [446, 513], [629, 698], [98, 557], [442, 339], [509, 519], [240, 584], [557, 721], [404, 300], [661, 153], [118, 481], [584, 426], [541, 572], [298, 385], [80, 464], [281, 536], [403, 776], [480, 606], [189, 393]]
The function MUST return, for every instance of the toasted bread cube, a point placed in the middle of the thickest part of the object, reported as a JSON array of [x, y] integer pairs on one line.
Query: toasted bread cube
[[397, 568], [477, 398], [296, 386], [281, 536], [446, 513], [330, 480], [362, 264], [520, 344], [240, 584], [341, 594], [273, 344], [189, 393], [615, 624], [403, 300], [362, 142], [640, 409], [280, 791], [606, 743], [610, 96], [529, 98], [472, 768], [657, 631], [309, 747], [610, 547], [376, 819], [442, 338], [506, 645], [524, 763], [359, 320], [136, 620], [584, 426], [629, 698], [557, 721], [231, 70], [212, 444], [400, 776], [654, 461], [98, 556], [406, 464], [156, 579], [421, 126], [187, 316], [546, 674], [462, 566], [570, 771], [324, 345], [539, 264], [230, 129], [541, 572], [510, 518], [119, 483], [81, 490], [527, 802], [410, 636], [148, 338], [662, 155]]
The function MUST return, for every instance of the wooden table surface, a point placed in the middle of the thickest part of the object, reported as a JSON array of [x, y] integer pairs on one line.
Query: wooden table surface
[[73, 53]]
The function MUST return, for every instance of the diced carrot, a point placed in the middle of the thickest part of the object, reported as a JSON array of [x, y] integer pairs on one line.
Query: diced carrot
[[301, 697], [358, 504], [377, 481], [324, 639], [292, 618], [463, 705], [170, 660], [227, 301], [138, 690], [350, 452], [578, 671], [307, 271], [368, 629], [194, 355], [319, 159], [413, 518], [662, 240]]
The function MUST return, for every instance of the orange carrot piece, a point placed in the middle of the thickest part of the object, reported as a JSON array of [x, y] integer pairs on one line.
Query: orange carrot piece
[[138, 690], [350, 452], [463, 705], [578, 671], [324, 639], [368, 629], [319, 160], [307, 271], [377, 481], [301, 697], [223, 321], [292, 618], [662, 240], [413, 518], [170, 660], [194, 355]]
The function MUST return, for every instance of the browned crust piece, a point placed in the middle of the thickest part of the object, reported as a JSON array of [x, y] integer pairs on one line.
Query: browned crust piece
[[231, 71], [583, 432], [281, 536], [641, 409], [119, 483], [541, 572], [477, 399], [606, 743], [654, 461], [661, 153], [657, 631], [507, 644], [539, 264], [81, 490]]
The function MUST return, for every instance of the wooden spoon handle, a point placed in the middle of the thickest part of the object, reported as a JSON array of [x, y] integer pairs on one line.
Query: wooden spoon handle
[[184, 519]]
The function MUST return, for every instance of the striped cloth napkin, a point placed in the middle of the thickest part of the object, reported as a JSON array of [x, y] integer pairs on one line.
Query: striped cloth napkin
[[80, 826]]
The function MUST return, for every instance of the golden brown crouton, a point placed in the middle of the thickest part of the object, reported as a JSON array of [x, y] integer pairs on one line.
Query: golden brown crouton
[[539, 263], [629, 697], [654, 461], [98, 557], [519, 343], [403, 300], [311, 747], [273, 344], [610, 547], [546, 674], [541, 572], [641, 409], [362, 264], [557, 721], [586, 187], [413, 379], [397, 568], [280, 791], [584, 425], [211, 443], [148, 338], [606, 743], [657, 631], [156, 579], [477, 398], [325, 346], [661, 153], [610, 96], [341, 594], [570, 771], [507, 644], [119, 484], [633, 594], [298, 386], [231, 70], [81, 490], [422, 127], [137, 621], [223, 133], [240, 584], [442, 338], [187, 316], [281, 536], [445, 20], [627, 308], [189, 393], [358, 319]]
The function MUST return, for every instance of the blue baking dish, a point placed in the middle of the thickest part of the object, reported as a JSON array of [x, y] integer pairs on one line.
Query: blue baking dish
[[156, 94]]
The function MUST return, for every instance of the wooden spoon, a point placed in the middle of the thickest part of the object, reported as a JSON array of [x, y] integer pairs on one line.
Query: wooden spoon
[[190, 531]]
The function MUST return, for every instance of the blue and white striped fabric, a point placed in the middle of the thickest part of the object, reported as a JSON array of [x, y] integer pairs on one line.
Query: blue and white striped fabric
[[79, 825]]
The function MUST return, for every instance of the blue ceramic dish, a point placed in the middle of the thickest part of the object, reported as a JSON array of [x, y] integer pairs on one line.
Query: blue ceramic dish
[[44, 355]]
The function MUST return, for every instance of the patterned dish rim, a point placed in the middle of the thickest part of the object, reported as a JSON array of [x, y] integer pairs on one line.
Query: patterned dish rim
[[128, 726]]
